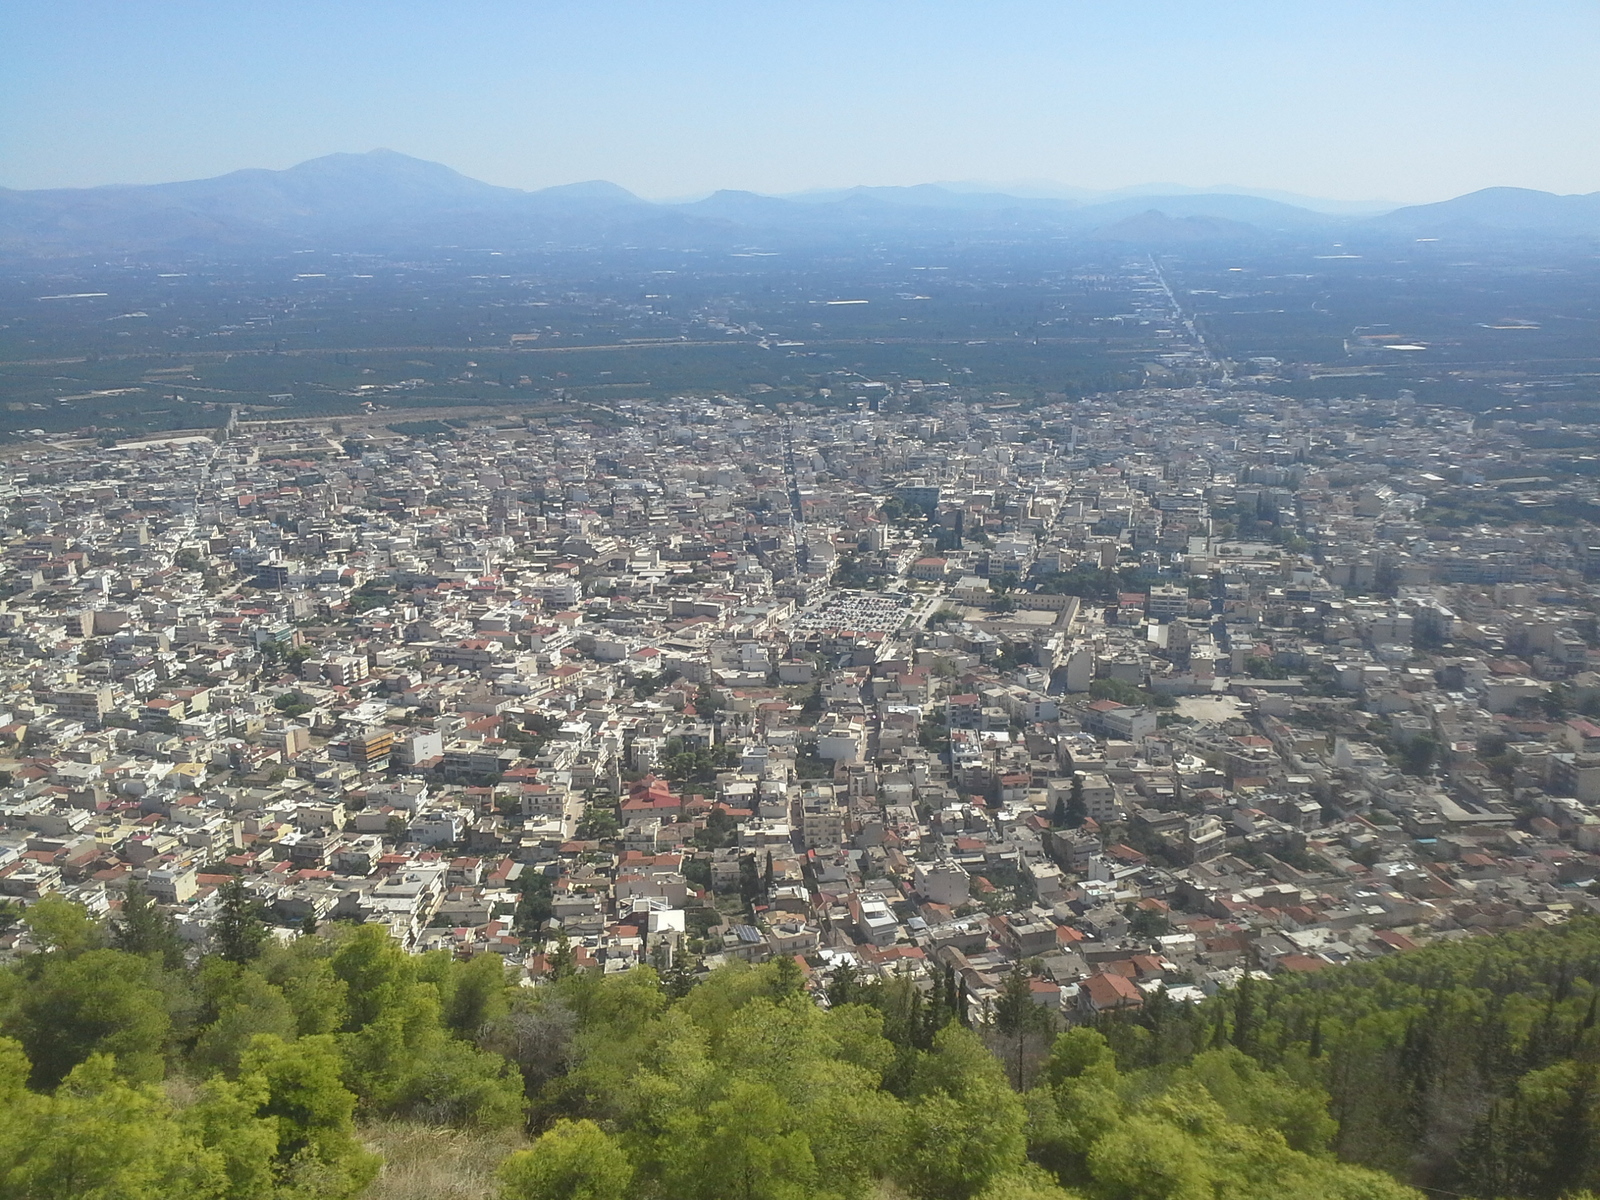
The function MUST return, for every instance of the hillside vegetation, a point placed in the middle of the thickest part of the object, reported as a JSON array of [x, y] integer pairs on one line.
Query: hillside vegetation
[[269, 1071]]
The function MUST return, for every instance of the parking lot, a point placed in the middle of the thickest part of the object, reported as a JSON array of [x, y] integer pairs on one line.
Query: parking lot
[[864, 612]]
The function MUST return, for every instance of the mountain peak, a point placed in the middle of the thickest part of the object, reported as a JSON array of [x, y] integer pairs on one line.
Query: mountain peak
[[388, 168], [593, 190], [1505, 209], [1152, 227]]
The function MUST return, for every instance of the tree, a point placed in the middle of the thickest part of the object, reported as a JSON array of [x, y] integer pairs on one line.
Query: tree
[[245, 1004], [1244, 1012], [101, 1002], [749, 880], [1146, 1159], [845, 986], [446, 1081], [62, 926], [1417, 756], [1018, 1021], [1077, 810], [787, 979], [965, 1124], [238, 933], [1147, 923], [226, 1120], [536, 1036], [600, 823], [573, 1160], [144, 929], [563, 961], [1262, 1098], [1028, 1183], [478, 997], [300, 1092], [720, 830], [745, 1146], [98, 1138], [1078, 1053], [954, 995], [376, 973], [303, 972], [1545, 1141], [1071, 811], [535, 904]]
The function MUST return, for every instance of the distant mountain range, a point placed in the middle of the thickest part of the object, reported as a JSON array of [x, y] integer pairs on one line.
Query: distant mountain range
[[389, 201], [1044, 190]]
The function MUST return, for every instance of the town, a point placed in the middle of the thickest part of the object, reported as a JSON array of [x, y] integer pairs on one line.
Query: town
[[1142, 691]]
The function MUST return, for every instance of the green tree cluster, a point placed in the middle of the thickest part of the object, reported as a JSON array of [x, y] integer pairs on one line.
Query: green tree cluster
[[282, 1128], [1220, 1125], [1465, 1067], [129, 1068], [744, 1087], [720, 830], [292, 704], [275, 1049], [602, 819], [1127, 693], [1071, 810], [1086, 581], [687, 766]]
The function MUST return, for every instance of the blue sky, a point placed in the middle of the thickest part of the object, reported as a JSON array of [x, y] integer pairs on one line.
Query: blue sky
[[1406, 99]]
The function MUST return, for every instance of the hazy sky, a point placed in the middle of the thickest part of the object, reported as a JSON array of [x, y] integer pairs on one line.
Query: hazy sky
[[1399, 99]]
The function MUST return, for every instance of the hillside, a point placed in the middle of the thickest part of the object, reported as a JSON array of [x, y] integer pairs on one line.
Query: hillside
[[1468, 1067], [1501, 210]]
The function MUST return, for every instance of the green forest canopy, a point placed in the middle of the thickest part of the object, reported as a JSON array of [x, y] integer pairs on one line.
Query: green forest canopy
[[129, 1073]]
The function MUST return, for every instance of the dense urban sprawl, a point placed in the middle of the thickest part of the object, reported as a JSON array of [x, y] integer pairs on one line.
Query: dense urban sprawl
[[1145, 690]]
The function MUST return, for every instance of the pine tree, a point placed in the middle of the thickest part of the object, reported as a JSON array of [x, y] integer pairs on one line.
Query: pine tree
[[1219, 1031], [935, 1017], [238, 933], [1077, 810], [787, 978], [749, 882], [915, 1018], [678, 979], [562, 960], [1015, 1017], [144, 929], [844, 987], [1244, 1012]]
